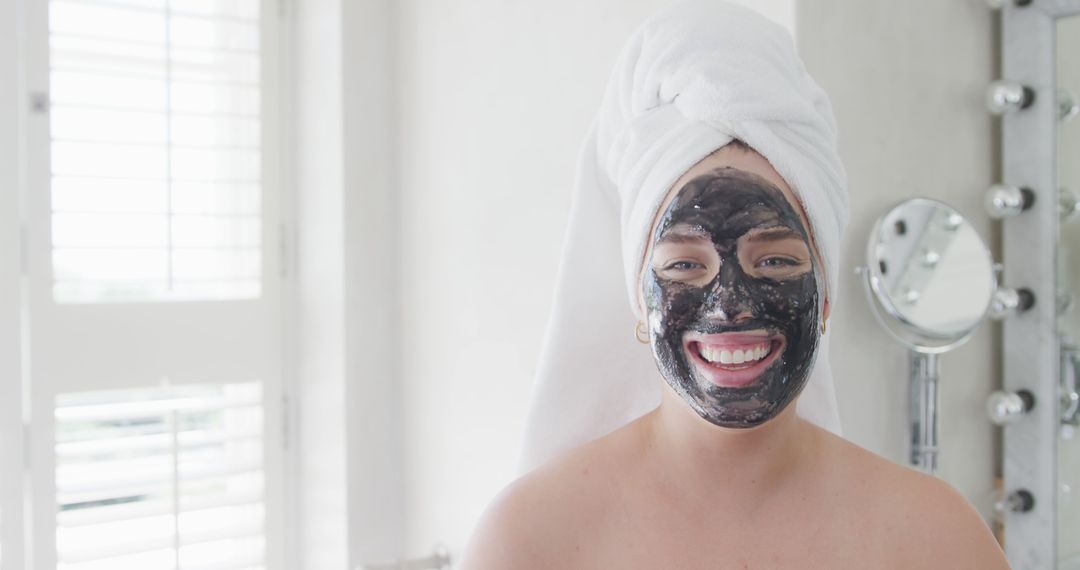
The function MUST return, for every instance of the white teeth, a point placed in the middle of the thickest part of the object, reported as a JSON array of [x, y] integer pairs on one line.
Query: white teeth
[[738, 356]]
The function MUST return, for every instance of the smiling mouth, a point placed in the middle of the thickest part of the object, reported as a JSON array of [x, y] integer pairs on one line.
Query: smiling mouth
[[733, 359]]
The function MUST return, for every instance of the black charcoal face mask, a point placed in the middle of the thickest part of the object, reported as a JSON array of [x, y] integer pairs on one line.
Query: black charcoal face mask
[[732, 298]]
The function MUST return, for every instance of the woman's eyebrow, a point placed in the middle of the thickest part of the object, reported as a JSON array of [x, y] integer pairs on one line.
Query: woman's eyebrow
[[773, 234], [682, 237], [683, 233]]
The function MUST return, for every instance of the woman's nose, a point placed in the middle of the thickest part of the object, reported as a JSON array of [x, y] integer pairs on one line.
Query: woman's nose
[[729, 300]]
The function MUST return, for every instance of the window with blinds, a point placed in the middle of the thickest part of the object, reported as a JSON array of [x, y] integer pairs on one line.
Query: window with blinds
[[160, 478], [155, 150]]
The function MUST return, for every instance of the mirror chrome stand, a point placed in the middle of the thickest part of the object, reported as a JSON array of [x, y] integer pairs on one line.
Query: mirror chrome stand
[[923, 384], [928, 300]]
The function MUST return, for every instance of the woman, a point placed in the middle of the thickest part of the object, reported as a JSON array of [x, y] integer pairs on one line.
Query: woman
[[712, 174]]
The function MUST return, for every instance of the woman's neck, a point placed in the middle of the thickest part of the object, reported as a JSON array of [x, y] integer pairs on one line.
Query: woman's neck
[[732, 466]]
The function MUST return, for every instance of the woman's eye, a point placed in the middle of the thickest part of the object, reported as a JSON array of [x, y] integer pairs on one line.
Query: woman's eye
[[684, 266], [778, 262]]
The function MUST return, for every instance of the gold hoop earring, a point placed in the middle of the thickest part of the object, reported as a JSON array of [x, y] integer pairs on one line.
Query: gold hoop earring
[[639, 330], [823, 321]]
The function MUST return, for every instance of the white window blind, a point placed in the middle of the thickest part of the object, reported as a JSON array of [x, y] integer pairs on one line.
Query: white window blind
[[162, 478], [155, 136]]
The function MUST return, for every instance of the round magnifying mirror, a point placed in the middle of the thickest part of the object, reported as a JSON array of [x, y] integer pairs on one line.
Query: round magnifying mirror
[[930, 276]]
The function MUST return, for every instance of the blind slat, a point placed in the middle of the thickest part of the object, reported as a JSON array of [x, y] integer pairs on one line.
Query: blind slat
[[144, 509], [150, 10], [119, 549], [67, 451], [145, 44], [114, 411]]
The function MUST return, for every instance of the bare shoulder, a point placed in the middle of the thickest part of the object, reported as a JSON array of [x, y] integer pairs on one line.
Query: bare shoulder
[[513, 532], [542, 519], [928, 523]]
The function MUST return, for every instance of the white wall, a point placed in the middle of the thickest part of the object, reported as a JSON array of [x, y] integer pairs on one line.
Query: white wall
[[495, 99], [906, 80], [11, 101], [349, 489]]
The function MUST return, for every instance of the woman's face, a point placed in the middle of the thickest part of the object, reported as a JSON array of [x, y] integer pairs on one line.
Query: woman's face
[[731, 291]]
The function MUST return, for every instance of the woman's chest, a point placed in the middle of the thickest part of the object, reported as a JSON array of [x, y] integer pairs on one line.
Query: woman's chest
[[800, 537], [712, 553]]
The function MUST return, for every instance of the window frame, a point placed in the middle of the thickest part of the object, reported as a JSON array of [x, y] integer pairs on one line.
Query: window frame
[[12, 554], [175, 341]]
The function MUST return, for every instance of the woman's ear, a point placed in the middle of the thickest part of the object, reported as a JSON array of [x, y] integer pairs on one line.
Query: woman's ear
[[825, 311], [642, 312], [642, 309]]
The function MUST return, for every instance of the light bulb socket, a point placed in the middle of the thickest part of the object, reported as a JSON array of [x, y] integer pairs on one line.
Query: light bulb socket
[[1026, 299]]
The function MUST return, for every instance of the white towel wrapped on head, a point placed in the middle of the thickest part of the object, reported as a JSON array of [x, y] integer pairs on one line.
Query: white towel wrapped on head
[[690, 80]]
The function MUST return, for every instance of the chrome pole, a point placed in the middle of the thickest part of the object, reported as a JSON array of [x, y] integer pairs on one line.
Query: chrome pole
[[923, 381]]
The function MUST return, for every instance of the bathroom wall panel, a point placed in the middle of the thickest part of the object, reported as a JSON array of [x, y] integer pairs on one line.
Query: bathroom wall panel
[[906, 81]]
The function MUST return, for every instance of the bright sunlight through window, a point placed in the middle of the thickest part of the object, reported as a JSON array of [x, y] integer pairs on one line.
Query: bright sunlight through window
[[155, 150], [160, 478]]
